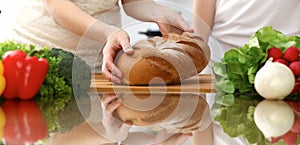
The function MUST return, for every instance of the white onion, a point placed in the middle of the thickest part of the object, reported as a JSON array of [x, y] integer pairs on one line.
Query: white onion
[[274, 80], [273, 117]]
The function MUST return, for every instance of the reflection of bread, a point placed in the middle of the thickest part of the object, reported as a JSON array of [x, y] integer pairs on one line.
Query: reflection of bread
[[172, 58], [174, 112]]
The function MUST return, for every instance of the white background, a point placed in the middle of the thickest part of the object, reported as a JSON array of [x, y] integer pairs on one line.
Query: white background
[[9, 11]]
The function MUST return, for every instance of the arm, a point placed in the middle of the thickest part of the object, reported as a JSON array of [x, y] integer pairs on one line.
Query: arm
[[204, 11], [141, 9], [69, 16], [168, 20]]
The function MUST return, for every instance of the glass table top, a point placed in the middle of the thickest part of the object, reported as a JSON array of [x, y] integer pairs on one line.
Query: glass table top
[[151, 119]]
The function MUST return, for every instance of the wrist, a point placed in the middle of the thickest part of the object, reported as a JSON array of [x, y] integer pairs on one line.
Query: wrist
[[100, 31], [109, 30]]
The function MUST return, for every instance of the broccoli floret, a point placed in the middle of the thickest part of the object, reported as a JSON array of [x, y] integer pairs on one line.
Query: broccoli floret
[[64, 64], [75, 71]]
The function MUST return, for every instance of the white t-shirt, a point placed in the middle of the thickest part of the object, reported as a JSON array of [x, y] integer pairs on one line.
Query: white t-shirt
[[236, 20]]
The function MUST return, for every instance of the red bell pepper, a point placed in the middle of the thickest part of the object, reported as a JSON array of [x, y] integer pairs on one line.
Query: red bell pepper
[[24, 74], [25, 123]]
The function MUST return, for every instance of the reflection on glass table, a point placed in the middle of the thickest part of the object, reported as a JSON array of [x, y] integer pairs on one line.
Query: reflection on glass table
[[22, 122], [145, 118], [150, 118], [153, 119], [257, 120], [174, 112], [32, 121], [170, 113]]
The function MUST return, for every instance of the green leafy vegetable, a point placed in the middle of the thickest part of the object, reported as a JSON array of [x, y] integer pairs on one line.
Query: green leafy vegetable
[[236, 71]]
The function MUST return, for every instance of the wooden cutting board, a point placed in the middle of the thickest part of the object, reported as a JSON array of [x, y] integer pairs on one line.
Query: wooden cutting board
[[204, 83]]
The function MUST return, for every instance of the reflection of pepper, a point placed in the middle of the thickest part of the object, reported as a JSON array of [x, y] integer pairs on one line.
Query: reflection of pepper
[[24, 122], [2, 122], [24, 75]]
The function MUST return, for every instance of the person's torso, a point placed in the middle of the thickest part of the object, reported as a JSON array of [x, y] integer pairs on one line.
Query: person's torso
[[236, 20], [34, 25]]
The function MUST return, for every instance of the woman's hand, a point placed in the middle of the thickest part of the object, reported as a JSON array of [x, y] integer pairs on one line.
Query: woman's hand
[[114, 130], [119, 40], [170, 21]]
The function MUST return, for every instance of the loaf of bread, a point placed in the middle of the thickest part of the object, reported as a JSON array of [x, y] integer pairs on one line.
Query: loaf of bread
[[172, 112], [164, 60]]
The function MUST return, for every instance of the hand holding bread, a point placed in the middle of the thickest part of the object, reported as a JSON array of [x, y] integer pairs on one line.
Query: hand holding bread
[[119, 40], [170, 20]]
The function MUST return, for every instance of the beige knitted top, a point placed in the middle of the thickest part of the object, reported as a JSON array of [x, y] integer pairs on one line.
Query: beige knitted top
[[34, 25]]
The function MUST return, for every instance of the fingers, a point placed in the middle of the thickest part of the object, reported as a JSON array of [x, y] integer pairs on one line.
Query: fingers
[[183, 25], [172, 22], [168, 28], [180, 23], [108, 98], [128, 50], [113, 77], [110, 103], [119, 40], [126, 46], [113, 106], [111, 71]]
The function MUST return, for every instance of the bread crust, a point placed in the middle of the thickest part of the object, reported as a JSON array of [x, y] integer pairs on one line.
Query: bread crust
[[172, 58]]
